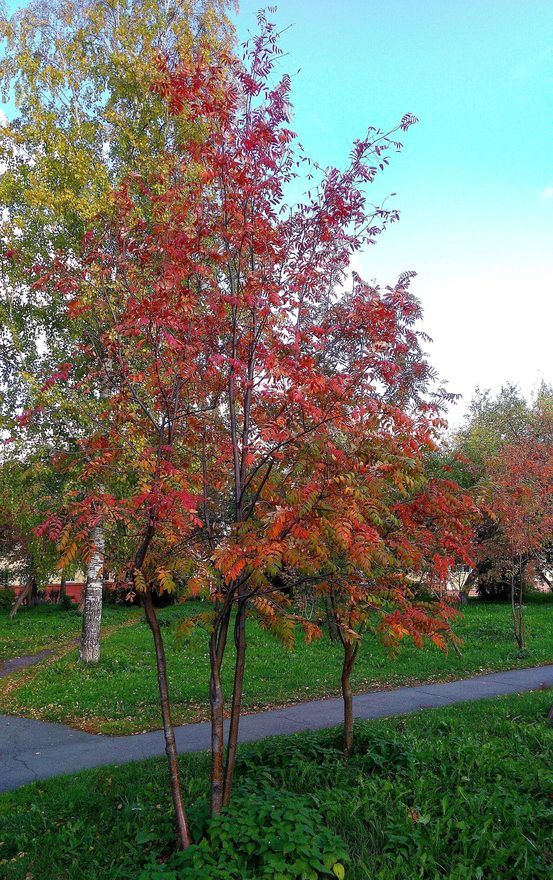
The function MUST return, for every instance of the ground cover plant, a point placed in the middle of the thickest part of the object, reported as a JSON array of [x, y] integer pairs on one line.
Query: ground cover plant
[[120, 695], [457, 792]]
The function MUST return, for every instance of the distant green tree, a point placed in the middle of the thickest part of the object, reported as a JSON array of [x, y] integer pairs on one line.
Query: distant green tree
[[494, 427]]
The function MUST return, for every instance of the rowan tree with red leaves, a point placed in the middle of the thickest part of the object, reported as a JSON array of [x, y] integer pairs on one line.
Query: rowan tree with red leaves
[[518, 498], [267, 418]]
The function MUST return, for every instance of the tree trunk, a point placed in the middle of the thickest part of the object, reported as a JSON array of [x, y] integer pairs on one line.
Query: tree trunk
[[33, 599], [183, 829], [516, 604], [237, 692], [80, 607], [25, 593], [92, 611], [333, 629], [347, 696], [217, 643], [63, 591]]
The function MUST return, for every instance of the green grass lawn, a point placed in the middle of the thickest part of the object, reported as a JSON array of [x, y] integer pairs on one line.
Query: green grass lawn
[[463, 793], [46, 627], [120, 694]]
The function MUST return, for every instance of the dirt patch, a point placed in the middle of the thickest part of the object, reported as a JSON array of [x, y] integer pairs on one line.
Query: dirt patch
[[21, 662]]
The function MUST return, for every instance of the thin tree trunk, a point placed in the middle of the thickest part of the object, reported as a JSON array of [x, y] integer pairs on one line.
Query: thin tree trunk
[[350, 653], [333, 629], [24, 594], [63, 591], [92, 611], [33, 599], [520, 611], [237, 692], [217, 643], [183, 830], [516, 605]]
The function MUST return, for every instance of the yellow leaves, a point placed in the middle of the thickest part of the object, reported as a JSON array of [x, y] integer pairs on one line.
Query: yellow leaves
[[6, 29], [263, 606], [139, 581], [69, 555], [273, 619], [166, 581], [63, 539]]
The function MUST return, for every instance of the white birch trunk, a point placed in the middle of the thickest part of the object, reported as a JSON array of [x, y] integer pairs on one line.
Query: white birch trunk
[[92, 610]]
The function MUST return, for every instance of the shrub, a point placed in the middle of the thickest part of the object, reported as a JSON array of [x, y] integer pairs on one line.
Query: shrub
[[266, 835], [66, 603], [7, 598]]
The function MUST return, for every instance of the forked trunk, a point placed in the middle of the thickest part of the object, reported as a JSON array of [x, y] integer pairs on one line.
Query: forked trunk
[[92, 609], [237, 692], [183, 830]]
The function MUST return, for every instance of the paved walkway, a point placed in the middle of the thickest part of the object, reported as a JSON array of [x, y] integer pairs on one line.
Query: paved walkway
[[31, 750]]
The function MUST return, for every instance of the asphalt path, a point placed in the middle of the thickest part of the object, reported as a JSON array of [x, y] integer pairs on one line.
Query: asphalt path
[[33, 750]]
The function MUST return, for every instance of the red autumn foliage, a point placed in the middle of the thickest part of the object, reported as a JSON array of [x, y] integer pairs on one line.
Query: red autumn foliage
[[266, 417], [518, 503]]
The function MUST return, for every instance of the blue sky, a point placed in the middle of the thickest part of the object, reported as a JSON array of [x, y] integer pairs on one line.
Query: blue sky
[[474, 182]]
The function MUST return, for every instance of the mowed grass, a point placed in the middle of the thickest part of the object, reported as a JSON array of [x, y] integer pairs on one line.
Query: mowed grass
[[464, 793], [46, 627], [119, 694]]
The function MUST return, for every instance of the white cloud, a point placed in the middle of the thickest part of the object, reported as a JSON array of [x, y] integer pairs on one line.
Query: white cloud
[[547, 193]]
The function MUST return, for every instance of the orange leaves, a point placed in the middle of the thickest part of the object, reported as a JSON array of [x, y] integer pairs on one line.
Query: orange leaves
[[342, 530], [311, 631], [197, 585], [230, 561], [68, 556]]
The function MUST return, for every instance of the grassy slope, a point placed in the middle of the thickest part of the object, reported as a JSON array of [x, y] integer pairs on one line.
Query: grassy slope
[[463, 792], [120, 693]]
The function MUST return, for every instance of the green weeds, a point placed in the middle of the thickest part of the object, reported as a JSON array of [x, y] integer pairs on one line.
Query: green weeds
[[457, 793]]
